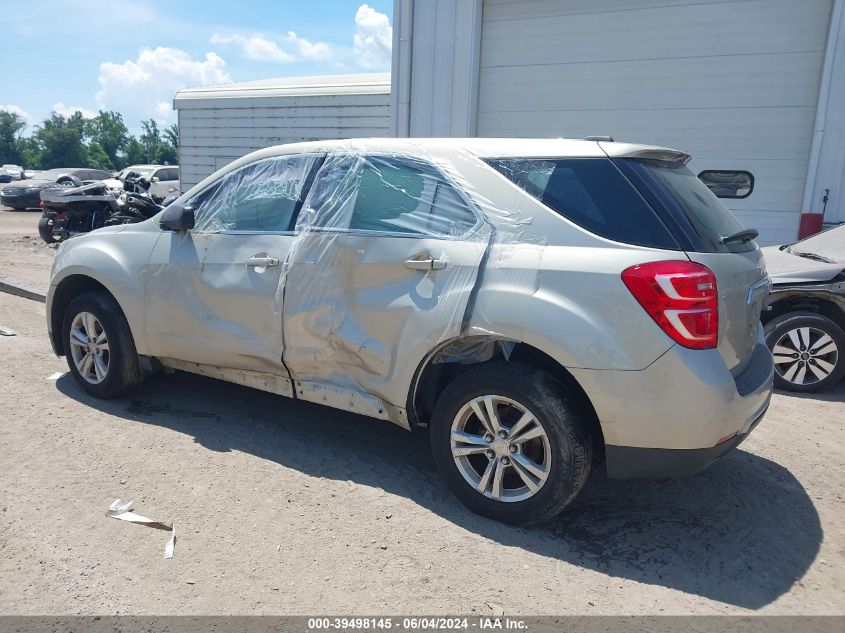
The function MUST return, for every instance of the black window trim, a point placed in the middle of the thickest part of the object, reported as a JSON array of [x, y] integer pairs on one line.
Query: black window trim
[[729, 171]]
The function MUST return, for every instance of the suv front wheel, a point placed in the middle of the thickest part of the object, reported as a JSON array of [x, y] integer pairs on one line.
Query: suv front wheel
[[98, 345], [508, 443]]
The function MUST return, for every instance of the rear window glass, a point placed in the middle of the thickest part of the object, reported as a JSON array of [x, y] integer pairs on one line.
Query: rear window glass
[[592, 193], [703, 219]]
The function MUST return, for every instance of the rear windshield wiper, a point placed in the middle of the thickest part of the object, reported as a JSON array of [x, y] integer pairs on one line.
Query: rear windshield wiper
[[746, 235]]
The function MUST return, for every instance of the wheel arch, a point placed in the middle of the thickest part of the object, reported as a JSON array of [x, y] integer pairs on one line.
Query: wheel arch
[[65, 291], [450, 359], [826, 304]]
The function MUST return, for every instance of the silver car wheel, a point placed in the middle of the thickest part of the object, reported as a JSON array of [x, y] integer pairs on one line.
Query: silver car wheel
[[805, 355], [500, 448], [89, 347]]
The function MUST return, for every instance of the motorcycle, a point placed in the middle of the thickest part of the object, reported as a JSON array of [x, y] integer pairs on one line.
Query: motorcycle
[[73, 207]]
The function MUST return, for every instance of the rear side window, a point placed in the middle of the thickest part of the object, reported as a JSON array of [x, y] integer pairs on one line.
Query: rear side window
[[593, 194]]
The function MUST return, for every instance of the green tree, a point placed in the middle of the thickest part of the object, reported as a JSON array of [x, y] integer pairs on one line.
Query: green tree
[[150, 139], [61, 141], [30, 152], [11, 128], [110, 133], [135, 153], [97, 157], [171, 135]]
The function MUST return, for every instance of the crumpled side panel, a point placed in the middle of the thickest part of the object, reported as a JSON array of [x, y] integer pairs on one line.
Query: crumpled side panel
[[383, 267]]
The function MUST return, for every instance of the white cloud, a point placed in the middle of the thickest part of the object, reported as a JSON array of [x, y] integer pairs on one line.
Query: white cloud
[[373, 38], [19, 111], [262, 49], [257, 47], [66, 110], [316, 51], [144, 87]]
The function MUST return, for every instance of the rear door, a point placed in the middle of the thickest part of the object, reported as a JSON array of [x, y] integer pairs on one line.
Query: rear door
[[386, 257], [701, 223]]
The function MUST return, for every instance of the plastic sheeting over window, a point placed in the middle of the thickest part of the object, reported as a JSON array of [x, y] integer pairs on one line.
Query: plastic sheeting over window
[[386, 256], [262, 196]]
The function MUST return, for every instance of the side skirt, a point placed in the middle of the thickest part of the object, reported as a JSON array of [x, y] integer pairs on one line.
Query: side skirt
[[319, 393]]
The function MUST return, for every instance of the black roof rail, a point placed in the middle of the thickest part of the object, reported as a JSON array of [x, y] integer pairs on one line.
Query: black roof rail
[[607, 139]]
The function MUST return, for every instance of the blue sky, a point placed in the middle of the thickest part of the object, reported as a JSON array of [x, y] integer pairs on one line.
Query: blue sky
[[131, 56]]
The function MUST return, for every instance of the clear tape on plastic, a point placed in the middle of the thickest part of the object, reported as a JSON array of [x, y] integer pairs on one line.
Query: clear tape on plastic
[[121, 509], [348, 310], [384, 264]]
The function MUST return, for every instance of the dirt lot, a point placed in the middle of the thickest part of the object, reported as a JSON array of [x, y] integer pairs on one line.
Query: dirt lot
[[286, 507]]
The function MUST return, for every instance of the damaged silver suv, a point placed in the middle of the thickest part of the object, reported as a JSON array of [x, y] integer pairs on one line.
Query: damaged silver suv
[[533, 303]]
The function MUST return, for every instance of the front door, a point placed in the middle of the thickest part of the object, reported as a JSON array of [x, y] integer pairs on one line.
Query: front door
[[212, 293], [386, 257]]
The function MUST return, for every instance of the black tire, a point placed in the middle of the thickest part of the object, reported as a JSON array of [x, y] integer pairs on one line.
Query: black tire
[[45, 230], [569, 442], [778, 327], [123, 374]]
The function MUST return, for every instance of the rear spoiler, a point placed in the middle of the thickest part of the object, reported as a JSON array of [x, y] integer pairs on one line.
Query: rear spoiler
[[629, 150]]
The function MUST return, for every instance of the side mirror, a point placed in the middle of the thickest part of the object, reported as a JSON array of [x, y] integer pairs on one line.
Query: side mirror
[[155, 179], [177, 218]]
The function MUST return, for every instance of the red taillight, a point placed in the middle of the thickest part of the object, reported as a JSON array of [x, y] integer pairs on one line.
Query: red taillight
[[41, 204], [681, 297]]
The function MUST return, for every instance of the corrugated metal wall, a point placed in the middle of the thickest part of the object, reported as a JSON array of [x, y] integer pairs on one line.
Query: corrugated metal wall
[[733, 82], [215, 131]]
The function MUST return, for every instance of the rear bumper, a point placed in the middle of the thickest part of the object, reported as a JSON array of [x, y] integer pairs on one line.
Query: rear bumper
[[629, 462], [679, 414]]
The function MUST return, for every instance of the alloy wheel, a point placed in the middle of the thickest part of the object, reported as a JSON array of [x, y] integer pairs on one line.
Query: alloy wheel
[[89, 347], [500, 448], [805, 355]]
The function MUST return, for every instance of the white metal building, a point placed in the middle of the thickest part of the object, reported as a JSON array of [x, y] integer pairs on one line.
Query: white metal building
[[756, 85], [218, 124]]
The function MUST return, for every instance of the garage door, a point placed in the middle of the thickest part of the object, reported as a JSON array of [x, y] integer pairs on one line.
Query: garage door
[[734, 83]]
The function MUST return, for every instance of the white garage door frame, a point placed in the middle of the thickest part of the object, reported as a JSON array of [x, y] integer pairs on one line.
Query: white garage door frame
[[824, 193]]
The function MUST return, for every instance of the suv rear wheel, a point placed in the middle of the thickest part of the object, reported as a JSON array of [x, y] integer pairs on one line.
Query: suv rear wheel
[[808, 351], [508, 444], [98, 346]]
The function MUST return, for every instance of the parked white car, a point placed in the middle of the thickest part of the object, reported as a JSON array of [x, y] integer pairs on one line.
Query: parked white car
[[15, 171], [164, 179]]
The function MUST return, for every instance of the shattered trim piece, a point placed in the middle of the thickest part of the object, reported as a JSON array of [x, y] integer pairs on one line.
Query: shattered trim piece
[[122, 509]]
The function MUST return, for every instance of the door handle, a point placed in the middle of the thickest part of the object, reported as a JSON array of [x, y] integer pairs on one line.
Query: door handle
[[262, 262], [426, 263]]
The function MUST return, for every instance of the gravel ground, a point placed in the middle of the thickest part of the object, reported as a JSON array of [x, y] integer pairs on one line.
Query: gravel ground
[[24, 257], [283, 507]]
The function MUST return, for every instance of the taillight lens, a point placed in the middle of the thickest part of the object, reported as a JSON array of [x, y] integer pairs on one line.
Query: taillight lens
[[681, 297]]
